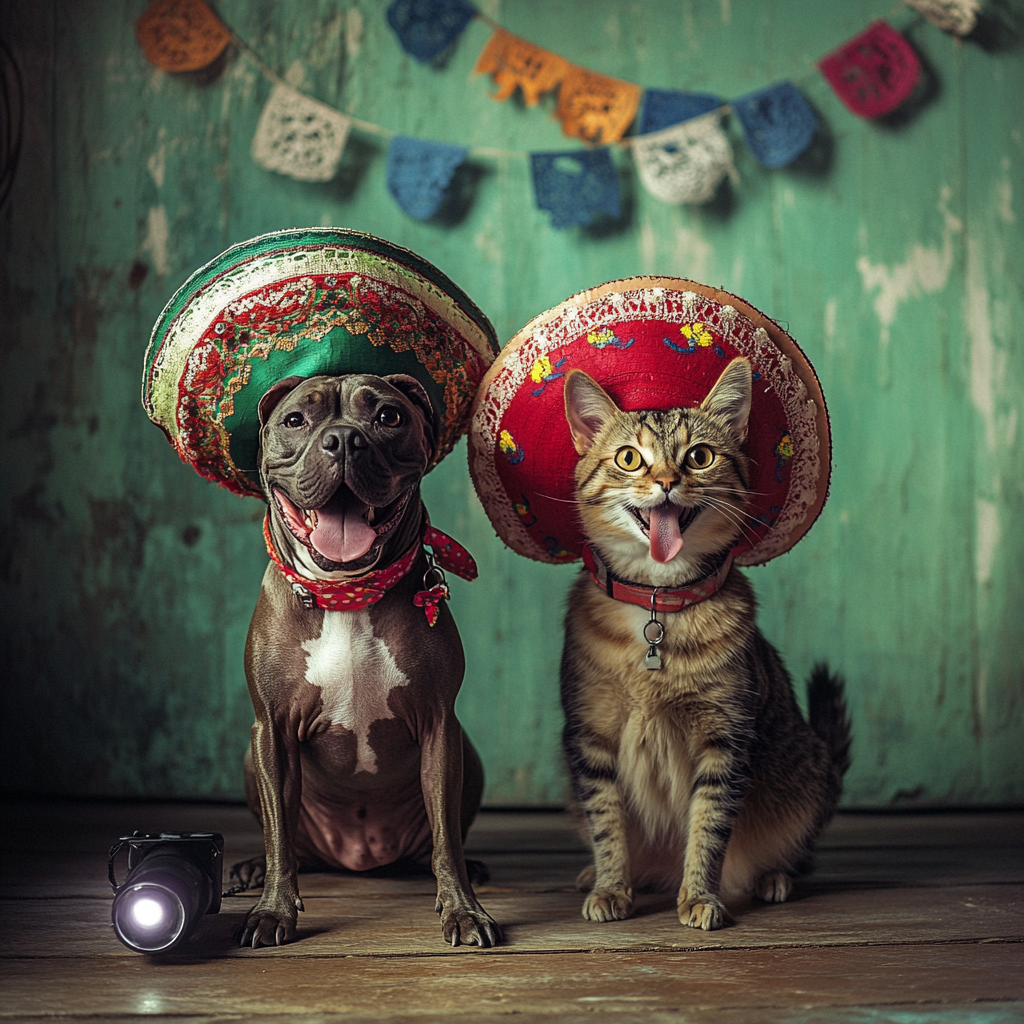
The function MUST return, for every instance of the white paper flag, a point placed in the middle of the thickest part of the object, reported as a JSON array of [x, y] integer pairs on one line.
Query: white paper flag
[[299, 137], [686, 162], [956, 16]]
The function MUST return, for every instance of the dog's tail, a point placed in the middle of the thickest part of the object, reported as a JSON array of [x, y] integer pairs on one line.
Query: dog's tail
[[826, 712]]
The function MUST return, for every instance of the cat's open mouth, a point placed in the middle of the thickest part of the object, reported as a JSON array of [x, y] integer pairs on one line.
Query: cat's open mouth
[[345, 529], [664, 525]]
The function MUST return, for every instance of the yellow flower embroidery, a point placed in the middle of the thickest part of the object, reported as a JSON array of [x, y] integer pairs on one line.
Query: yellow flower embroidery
[[505, 442], [698, 334], [602, 337], [784, 448], [541, 369]]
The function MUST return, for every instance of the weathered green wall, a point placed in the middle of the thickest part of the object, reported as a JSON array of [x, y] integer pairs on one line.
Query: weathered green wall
[[894, 255]]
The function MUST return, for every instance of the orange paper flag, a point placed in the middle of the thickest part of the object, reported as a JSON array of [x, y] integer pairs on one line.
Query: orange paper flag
[[515, 62], [181, 35], [595, 107]]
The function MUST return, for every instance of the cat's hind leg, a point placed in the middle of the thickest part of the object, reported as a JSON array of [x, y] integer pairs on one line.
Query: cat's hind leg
[[773, 887]]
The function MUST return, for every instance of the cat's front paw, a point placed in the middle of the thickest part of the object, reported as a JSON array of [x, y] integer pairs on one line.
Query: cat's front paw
[[608, 905], [705, 911]]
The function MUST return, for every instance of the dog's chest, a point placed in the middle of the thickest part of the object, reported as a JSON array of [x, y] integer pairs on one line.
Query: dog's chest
[[355, 672]]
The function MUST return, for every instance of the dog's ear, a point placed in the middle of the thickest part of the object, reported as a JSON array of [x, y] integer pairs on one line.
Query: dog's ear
[[417, 394], [272, 397]]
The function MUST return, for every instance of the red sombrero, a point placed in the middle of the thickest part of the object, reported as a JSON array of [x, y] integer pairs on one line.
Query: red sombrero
[[651, 343]]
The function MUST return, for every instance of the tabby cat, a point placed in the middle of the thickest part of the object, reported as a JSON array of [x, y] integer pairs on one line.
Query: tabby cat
[[693, 766]]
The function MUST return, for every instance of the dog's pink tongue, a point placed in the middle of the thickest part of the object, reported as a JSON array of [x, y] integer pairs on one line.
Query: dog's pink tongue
[[342, 535], [666, 540]]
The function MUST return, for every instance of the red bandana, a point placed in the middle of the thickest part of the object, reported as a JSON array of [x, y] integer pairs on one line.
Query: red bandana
[[666, 599], [361, 592]]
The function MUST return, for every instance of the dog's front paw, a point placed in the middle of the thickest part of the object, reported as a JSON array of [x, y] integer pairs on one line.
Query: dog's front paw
[[608, 905], [270, 923], [249, 873], [467, 923], [705, 911]]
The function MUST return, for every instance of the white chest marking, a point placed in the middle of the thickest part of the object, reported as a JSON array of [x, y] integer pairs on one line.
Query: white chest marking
[[355, 672]]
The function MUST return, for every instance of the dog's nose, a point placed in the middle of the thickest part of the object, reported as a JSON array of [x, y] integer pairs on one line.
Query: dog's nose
[[337, 439]]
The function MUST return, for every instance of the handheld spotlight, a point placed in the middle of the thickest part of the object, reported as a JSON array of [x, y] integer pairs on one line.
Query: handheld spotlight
[[173, 879]]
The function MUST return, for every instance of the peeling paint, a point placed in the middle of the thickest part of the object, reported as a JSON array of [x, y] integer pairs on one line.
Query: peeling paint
[[155, 242], [648, 245], [831, 308], [987, 363], [987, 541], [157, 162], [692, 254], [1004, 196], [925, 270], [353, 31]]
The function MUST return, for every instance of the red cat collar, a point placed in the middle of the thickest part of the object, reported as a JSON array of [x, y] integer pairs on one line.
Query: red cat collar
[[665, 599], [361, 592]]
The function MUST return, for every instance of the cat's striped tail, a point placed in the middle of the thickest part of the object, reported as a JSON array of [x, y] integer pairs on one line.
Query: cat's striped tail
[[826, 712]]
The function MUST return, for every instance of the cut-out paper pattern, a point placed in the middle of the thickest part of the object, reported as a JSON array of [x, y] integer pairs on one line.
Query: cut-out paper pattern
[[662, 108], [420, 172], [874, 72], [515, 63], [576, 187], [956, 16], [686, 162], [595, 107], [181, 35], [426, 28], [778, 123], [299, 137]]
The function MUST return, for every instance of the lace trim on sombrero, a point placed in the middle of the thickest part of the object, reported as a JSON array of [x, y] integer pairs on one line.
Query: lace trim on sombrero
[[673, 307]]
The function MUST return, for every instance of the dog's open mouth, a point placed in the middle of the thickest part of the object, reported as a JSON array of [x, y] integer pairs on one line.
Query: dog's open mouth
[[345, 528], [664, 526]]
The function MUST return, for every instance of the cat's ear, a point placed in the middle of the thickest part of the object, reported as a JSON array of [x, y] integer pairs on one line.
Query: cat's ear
[[730, 397], [587, 408]]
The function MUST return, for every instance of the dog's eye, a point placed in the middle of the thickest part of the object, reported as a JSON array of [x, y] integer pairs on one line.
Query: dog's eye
[[700, 456], [389, 416], [629, 459], [294, 419]]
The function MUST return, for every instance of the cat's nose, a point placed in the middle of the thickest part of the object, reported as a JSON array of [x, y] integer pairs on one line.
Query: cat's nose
[[667, 481]]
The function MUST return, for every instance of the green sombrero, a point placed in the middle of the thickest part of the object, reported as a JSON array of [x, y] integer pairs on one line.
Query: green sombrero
[[302, 303]]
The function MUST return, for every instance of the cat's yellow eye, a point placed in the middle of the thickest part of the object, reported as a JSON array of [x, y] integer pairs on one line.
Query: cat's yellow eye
[[700, 456], [629, 459]]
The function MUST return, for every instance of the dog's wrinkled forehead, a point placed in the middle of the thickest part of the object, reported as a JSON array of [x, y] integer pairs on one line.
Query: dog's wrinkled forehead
[[353, 397]]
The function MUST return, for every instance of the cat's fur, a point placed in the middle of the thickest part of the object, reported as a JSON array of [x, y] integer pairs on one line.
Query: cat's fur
[[704, 774]]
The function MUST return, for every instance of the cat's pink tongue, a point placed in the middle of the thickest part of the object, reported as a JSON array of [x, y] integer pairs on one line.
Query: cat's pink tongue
[[666, 540], [342, 535]]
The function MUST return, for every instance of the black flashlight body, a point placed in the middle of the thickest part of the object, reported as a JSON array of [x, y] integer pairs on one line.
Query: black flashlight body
[[173, 880]]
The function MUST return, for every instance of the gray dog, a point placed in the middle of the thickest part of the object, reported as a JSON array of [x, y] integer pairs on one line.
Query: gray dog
[[357, 759]]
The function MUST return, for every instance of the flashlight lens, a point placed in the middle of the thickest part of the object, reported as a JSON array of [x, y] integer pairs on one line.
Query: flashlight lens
[[148, 917], [147, 913]]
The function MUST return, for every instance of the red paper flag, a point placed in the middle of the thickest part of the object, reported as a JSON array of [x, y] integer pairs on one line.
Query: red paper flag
[[874, 72], [181, 35]]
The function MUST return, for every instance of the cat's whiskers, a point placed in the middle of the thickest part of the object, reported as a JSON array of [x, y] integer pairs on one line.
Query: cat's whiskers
[[733, 513]]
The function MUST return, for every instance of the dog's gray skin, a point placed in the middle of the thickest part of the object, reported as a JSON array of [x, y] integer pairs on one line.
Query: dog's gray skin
[[357, 759]]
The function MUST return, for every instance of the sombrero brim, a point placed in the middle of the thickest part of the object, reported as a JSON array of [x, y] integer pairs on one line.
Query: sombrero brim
[[652, 343], [305, 302]]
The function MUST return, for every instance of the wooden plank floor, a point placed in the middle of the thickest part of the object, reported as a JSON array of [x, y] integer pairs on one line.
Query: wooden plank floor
[[909, 918]]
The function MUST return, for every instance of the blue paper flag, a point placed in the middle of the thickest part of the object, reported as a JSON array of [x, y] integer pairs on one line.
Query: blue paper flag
[[778, 123], [577, 186], [419, 173], [426, 27], [661, 108]]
